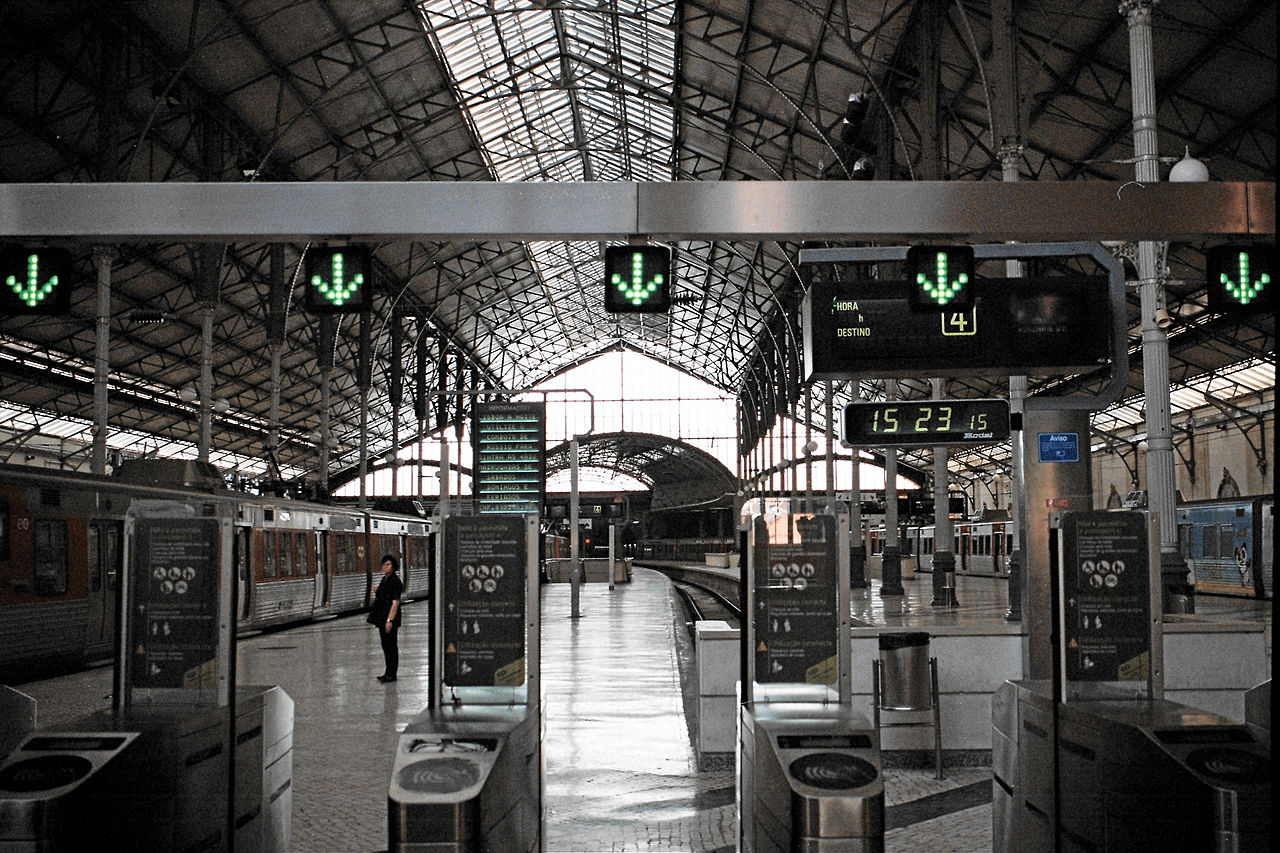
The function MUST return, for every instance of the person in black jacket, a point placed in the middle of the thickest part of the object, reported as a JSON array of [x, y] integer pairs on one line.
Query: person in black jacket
[[385, 615]]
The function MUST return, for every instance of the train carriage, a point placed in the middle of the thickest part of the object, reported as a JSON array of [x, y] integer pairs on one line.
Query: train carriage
[[1228, 543], [61, 557]]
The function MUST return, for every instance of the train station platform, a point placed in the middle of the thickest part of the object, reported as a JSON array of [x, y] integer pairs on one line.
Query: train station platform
[[621, 773]]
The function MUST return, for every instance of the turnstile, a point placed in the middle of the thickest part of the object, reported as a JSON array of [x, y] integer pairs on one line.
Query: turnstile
[[1133, 774], [467, 782], [48, 785], [810, 780]]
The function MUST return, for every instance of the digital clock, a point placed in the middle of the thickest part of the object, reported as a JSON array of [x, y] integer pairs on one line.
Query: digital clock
[[924, 422]]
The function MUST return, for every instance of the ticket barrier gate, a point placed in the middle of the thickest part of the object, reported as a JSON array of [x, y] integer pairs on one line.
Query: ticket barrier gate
[[467, 782], [1134, 774], [50, 783], [467, 773], [810, 780]]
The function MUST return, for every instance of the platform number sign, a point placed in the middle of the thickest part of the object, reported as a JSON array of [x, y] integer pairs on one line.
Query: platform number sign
[[940, 277], [1239, 279], [35, 281], [637, 279], [339, 279]]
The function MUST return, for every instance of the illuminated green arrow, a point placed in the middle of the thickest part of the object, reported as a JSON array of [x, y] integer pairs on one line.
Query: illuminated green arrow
[[339, 291], [942, 289], [636, 291], [31, 291], [1246, 288]]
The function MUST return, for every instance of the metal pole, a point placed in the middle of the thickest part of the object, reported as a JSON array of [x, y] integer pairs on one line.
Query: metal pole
[[1161, 488], [1009, 157], [206, 381], [891, 559], [574, 556], [944, 556], [102, 258]]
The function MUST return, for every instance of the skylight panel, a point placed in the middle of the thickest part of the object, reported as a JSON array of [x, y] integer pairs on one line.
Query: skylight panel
[[568, 94]]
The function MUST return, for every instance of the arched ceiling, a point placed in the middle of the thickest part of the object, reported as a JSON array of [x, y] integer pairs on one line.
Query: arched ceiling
[[679, 474], [637, 90]]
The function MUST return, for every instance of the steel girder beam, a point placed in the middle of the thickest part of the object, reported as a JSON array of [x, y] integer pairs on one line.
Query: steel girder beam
[[982, 211]]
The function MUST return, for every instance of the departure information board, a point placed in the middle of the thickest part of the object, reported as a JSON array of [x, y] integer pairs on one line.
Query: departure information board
[[1014, 327], [900, 423], [510, 459]]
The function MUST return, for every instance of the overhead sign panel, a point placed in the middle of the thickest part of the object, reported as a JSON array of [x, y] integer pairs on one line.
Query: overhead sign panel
[[1014, 327]]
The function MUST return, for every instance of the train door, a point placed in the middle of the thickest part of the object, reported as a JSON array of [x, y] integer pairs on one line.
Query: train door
[[322, 567], [244, 576], [104, 575]]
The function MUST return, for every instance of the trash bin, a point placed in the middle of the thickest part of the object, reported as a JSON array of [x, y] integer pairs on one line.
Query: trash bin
[[905, 678], [906, 684]]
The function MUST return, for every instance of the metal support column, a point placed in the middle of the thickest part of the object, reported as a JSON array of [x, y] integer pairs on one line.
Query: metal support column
[[102, 258], [944, 557], [574, 532], [1161, 489], [891, 558]]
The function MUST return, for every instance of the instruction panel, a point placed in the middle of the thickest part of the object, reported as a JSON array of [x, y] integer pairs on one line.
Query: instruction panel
[[484, 601], [796, 630], [175, 602], [1107, 596]]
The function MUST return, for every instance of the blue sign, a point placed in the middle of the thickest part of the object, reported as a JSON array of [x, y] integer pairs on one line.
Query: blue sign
[[1059, 447]]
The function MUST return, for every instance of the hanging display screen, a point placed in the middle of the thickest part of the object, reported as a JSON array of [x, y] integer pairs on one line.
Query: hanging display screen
[[510, 459], [900, 423]]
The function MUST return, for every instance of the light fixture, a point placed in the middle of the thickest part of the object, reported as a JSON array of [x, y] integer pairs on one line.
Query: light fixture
[[1163, 319], [221, 406], [1189, 170], [188, 393]]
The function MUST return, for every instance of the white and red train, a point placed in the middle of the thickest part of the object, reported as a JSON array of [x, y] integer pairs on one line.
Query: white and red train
[[61, 553]]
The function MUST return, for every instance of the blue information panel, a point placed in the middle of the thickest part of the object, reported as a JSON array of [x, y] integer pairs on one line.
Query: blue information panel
[[1059, 447]]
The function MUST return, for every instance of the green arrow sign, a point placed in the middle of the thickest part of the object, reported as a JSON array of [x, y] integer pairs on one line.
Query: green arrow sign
[[1245, 287], [636, 289], [942, 288], [31, 291], [338, 290]]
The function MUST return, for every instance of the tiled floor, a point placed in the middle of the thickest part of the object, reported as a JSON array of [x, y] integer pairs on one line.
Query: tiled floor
[[620, 768]]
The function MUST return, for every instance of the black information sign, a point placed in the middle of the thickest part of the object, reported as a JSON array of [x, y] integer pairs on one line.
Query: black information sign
[[484, 601], [1016, 326], [510, 460], [795, 599], [1106, 590], [175, 602], [900, 423]]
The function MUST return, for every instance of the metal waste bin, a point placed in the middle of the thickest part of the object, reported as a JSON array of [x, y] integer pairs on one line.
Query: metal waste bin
[[810, 782], [43, 787], [905, 683]]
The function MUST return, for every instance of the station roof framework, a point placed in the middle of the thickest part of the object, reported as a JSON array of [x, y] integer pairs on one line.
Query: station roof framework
[[572, 90]]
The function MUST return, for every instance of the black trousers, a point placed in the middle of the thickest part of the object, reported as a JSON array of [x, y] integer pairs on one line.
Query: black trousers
[[390, 649]]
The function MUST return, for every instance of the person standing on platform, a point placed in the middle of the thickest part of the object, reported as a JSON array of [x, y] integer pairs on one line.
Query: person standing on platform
[[385, 615]]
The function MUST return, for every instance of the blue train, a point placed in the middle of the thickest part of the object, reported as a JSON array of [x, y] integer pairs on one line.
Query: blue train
[[1230, 544]]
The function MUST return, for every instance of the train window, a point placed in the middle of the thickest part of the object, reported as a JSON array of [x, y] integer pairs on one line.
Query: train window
[[268, 553], [284, 554], [4, 529], [1209, 540], [50, 560], [300, 552], [340, 553]]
